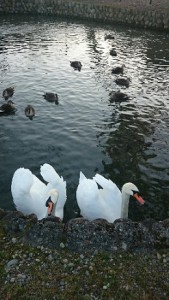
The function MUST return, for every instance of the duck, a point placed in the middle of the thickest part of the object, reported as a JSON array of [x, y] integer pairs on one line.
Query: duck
[[51, 97], [118, 96], [33, 196], [77, 65], [8, 92], [109, 37], [30, 112], [108, 202], [123, 81], [8, 108], [118, 69], [113, 52]]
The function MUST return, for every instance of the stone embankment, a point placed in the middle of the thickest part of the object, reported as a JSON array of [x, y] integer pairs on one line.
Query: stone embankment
[[82, 260], [82, 236], [140, 13]]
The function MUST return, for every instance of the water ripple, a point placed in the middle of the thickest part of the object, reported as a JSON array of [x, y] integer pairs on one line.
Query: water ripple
[[126, 141]]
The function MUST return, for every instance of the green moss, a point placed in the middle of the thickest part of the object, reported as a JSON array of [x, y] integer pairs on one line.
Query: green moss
[[68, 276]]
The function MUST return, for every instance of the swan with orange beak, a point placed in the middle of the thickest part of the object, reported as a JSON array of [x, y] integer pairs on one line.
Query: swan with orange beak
[[30, 194], [52, 200], [100, 198]]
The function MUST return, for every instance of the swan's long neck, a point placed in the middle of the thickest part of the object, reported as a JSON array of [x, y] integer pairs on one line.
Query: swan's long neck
[[124, 205], [58, 209]]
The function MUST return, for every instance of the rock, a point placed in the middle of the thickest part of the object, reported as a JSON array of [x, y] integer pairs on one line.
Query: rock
[[48, 234], [14, 240], [12, 263], [62, 245], [82, 236], [2, 213], [21, 278], [16, 221]]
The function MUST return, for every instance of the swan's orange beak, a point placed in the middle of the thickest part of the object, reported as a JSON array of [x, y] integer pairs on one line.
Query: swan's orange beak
[[139, 198], [50, 207]]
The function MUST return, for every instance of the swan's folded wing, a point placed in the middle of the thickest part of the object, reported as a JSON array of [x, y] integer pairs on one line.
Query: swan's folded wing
[[49, 174], [111, 198], [28, 193], [21, 182], [105, 183], [87, 199]]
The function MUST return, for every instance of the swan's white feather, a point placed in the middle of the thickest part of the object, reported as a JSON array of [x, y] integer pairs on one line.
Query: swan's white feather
[[105, 183], [27, 181], [49, 174], [97, 203], [55, 181], [82, 176], [30, 194]]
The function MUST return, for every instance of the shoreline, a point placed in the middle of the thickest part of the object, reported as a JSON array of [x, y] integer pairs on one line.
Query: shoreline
[[50, 260], [137, 13], [81, 235]]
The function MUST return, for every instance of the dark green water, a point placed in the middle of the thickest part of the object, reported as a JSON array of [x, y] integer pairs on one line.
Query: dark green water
[[127, 141]]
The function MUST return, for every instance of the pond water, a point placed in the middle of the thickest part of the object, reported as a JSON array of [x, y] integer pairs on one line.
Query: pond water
[[127, 141]]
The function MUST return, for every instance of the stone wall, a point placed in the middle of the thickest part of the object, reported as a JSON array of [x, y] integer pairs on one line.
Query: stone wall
[[83, 236], [140, 13]]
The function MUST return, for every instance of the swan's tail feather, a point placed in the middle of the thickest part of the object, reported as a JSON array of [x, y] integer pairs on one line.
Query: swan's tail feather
[[103, 182], [82, 176], [49, 174], [27, 179]]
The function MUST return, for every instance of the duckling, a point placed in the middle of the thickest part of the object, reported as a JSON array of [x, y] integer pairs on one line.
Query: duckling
[[123, 81], [8, 92], [30, 112], [109, 37], [8, 108], [118, 69], [77, 65], [51, 97], [118, 96], [113, 52]]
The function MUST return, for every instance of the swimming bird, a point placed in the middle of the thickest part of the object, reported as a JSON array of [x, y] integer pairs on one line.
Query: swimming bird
[[123, 81], [77, 65], [8, 92], [113, 52], [8, 108], [30, 112], [51, 97], [31, 195], [118, 69], [107, 203], [109, 37], [118, 96]]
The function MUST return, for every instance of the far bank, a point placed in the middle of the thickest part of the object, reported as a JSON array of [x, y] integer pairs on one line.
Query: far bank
[[152, 14]]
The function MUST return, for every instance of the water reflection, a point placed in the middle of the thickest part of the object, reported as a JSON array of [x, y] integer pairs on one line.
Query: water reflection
[[130, 145], [126, 141]]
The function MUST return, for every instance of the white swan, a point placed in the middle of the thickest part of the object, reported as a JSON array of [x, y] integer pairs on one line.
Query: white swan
[[30, 194], [106, 203]]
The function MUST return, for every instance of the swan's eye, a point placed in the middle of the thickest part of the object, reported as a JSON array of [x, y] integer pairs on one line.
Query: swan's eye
[[47, 202], [136, 192]]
